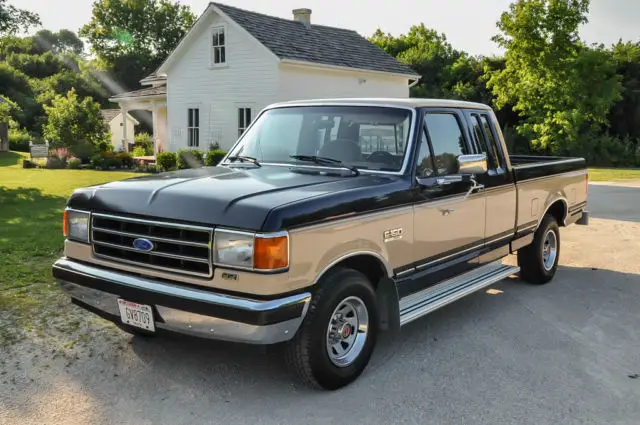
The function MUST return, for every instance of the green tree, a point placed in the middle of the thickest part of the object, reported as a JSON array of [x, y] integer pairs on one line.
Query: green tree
[[36, 66], [75, 124], [63, 41], [625, 115], [445, 71], [561, 88], [140, 32], [13, 19], [15, 85], [428, 53]]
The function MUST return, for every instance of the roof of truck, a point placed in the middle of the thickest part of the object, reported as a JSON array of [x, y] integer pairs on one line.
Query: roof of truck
[[412, 102]]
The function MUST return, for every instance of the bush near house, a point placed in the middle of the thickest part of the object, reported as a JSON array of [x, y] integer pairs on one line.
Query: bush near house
[[139, 151], [214, 157], [111, 160], [166, 161], [189, 158], [143, 145]]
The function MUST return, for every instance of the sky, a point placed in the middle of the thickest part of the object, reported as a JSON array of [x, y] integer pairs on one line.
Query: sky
[[468, 24]]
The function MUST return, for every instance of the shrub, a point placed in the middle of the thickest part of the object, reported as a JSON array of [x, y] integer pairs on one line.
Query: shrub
[[142, 139], [55, 163], [74, 164], [124, 160], [97, 161], [166, 160], [145, 142], [214, 157], [139, 151], [189, 158], [19, 140], [82, 150], [151, 169]]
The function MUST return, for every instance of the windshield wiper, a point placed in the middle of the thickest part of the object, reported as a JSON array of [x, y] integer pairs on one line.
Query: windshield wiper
[[325, 161], [243, 158]]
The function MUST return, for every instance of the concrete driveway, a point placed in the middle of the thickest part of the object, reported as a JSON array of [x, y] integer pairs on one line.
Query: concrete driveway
[[564, 353]]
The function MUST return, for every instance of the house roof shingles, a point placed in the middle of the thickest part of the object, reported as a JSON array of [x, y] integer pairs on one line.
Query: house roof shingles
[[109, 114], [149, 91], [289, 39]]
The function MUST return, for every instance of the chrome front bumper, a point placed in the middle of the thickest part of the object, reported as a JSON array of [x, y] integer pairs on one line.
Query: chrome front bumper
[[182, 309]]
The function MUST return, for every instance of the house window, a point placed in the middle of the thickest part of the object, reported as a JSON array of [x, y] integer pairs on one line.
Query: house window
[[218, 46], [244, 119], [193, 127]]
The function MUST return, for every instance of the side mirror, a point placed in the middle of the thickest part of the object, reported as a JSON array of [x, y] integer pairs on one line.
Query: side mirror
[[472, 164]]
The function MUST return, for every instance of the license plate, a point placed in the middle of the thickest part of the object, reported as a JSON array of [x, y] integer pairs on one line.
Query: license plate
[[138, 315]]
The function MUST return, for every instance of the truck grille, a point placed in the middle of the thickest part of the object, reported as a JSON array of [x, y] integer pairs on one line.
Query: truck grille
[[177, 248]]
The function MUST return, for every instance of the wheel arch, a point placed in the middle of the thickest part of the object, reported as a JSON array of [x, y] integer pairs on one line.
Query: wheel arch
[[378, 272], [558, 209], [369, 263]]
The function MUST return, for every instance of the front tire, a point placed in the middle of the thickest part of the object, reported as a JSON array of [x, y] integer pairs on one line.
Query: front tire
[[336, 340], [539, 261]]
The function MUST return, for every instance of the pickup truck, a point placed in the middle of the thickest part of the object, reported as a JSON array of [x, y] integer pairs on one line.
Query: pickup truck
[[328, 222]]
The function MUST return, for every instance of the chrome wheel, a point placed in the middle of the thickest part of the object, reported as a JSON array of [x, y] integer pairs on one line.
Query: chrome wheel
[[549, 250], [347, 331]]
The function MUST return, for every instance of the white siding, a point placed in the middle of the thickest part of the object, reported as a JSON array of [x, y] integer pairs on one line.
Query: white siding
[[298, 83], [117, 131], [250, 79]]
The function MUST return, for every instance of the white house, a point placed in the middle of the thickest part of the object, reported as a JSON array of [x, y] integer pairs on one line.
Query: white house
[[122, 129], [234, 62]]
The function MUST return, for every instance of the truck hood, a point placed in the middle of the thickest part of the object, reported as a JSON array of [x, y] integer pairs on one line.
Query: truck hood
[[245, 198]]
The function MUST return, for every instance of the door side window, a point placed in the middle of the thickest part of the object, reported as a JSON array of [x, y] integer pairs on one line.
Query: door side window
[[447, 141], [424, 164], [483, 145], [492, 142]]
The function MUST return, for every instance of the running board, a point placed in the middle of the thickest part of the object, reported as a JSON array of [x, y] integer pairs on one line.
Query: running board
[[421, 303]]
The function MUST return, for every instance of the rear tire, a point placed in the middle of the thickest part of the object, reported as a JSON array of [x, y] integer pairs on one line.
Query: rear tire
[[337, 337], [539, 261]]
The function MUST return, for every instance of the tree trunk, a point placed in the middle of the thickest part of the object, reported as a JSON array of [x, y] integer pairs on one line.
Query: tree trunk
[[4, 137]]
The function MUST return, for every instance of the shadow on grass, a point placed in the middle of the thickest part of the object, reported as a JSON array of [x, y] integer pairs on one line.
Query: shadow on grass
[[8, 159], [30, 235]]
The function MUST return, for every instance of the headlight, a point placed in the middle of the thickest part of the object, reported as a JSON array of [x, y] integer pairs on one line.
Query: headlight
[[76, 225], [251, 251]]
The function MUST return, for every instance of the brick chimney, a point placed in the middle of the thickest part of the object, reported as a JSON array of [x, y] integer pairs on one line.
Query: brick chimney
[[302, 15]]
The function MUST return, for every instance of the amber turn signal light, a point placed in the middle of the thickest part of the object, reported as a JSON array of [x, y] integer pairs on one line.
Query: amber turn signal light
[[271, 253], [65, 229]]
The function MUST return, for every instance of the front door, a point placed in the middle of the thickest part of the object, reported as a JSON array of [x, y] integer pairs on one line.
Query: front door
[[449, 216]]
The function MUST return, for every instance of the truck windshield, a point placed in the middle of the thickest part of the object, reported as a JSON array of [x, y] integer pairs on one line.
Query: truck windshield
[[365, 137]]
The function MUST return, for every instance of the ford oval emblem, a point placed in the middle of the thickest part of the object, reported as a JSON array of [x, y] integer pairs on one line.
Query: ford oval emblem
[[143, 244]]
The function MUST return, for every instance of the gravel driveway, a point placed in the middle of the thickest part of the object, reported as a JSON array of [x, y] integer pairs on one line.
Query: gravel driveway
[[564, 353]]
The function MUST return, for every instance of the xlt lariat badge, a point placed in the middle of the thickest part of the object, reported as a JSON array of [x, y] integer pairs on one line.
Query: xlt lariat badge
[[392, 234]]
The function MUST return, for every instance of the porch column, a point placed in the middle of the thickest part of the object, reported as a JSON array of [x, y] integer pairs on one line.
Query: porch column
[[123, 111], [154, 116]]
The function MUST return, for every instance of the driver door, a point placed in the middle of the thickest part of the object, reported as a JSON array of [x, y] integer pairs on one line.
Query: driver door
[[449, 213]]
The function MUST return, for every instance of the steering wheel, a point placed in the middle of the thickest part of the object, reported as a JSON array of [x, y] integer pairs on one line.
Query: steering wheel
[[344, 149]]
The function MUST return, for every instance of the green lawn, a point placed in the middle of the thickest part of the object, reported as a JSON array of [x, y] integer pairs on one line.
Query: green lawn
[[613, 174], [31, 206], [32, 202]]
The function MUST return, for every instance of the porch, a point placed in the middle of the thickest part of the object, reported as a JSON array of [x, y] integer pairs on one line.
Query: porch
[[153, 99]]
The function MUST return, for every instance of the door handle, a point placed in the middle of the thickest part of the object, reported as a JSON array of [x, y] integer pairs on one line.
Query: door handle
[[448, 180]]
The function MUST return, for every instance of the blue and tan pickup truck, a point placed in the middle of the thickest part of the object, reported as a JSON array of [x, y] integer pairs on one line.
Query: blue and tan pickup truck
[[328, 222]]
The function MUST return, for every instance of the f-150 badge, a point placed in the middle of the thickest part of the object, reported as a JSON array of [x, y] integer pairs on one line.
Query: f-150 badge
[[392, 234]]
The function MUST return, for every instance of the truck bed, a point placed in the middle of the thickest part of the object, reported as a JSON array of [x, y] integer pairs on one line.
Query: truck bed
[[527, 167], [539, 179]]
